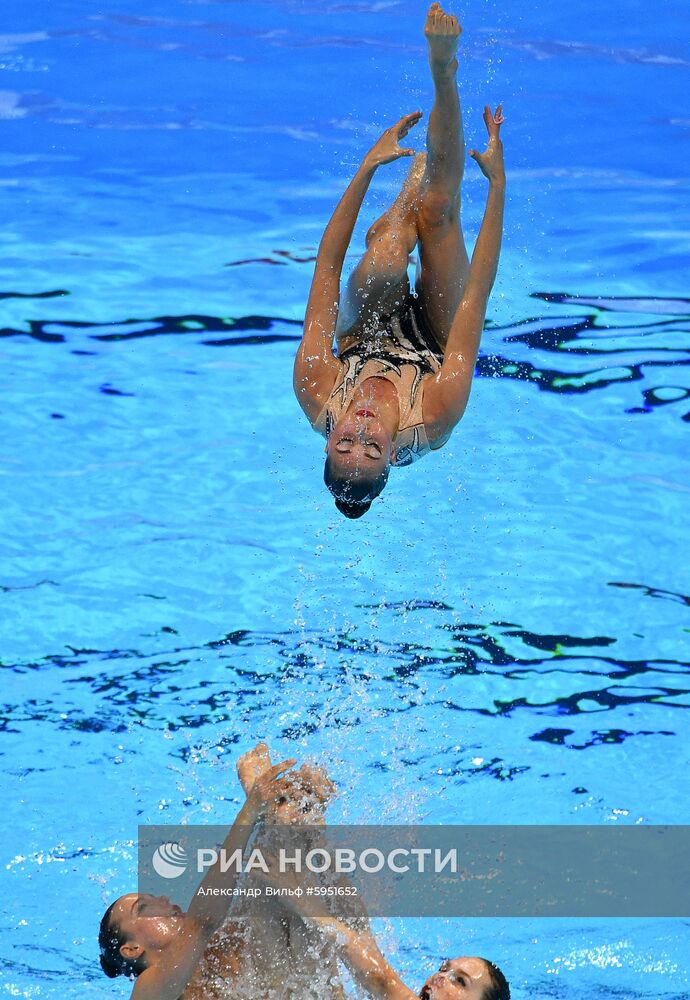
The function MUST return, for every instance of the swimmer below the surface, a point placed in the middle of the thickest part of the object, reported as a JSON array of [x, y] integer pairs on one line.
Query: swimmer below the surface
[[401, 375]]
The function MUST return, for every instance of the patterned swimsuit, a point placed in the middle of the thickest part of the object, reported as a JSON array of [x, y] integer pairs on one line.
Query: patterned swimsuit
[[402, 349]]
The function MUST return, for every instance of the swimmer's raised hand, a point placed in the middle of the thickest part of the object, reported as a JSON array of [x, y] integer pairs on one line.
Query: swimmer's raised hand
[[491, 160], [268, 788], [251, 764], [387, 148], [307, 793]]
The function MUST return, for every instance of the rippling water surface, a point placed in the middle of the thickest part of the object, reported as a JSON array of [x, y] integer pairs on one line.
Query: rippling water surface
[[504, 638]]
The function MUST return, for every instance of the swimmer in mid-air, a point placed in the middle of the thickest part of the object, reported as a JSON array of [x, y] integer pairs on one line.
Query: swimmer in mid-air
[[401, 374]]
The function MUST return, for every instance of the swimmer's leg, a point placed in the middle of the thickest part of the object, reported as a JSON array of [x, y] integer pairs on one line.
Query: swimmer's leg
[[379, 284], [443, 261]]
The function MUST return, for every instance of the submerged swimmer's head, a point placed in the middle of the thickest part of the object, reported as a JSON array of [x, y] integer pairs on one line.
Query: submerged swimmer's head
[[133, 929], [304, 797], [359, 454], [467, 978]]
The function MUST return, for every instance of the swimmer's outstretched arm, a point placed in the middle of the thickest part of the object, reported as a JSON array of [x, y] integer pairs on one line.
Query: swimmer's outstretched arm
[[357, 949], [207, 908], [446, 397], [208, 912], [353, 942], [315, 365], [361, 955]]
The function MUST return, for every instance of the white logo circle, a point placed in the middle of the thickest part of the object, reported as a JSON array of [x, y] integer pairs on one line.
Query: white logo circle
[[169, 860]]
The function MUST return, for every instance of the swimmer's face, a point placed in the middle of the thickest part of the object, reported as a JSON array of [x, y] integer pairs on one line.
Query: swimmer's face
[[359, 445], [458, 979], [146, 922]]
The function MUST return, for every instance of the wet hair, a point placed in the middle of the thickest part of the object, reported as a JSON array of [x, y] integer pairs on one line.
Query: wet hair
[[110, 940], [499, 988], [353, 495]]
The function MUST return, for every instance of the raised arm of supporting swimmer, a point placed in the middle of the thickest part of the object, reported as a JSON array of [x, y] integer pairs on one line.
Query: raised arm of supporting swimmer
[[207, 912], [446, 397], [354, 943], [315, 366], [207, 908], [365, 963]]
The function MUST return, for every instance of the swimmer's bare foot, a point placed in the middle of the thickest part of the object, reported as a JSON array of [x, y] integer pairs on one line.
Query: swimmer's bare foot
[[442, 34], [252, 765]]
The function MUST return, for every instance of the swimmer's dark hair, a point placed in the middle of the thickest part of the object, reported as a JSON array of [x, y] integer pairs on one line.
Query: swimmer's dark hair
[[110, 940], [353, 496], [499, 988]]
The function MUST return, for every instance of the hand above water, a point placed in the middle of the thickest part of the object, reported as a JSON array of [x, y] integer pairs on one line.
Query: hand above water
[[252, 764], [300, 796], [388, 148], [268, 787], [491, 160]]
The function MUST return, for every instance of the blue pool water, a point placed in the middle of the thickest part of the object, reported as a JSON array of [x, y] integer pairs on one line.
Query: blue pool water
[[504, 638]]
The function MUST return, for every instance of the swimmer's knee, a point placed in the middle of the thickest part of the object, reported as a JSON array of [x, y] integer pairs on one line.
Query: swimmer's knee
[[437, 209]]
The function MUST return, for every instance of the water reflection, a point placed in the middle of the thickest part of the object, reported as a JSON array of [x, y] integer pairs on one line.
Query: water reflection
[[641, 342]]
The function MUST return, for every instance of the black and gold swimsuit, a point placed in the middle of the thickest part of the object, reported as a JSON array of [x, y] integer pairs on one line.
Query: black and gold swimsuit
[[401, 349]]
